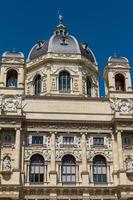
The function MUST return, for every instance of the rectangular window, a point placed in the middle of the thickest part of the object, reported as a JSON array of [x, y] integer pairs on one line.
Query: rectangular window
[[37, 139], [68, 140], [98, 141]]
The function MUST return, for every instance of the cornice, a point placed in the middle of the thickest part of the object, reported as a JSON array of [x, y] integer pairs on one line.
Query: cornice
[[68, 97]]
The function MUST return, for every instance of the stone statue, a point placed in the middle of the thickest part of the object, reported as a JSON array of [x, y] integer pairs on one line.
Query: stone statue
[[60, 18], [129, 163], [6, 164]]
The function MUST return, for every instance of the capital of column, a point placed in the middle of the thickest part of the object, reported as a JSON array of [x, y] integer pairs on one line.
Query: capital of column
[[118, 131], [83, 133], [18, 129], [53, 132]]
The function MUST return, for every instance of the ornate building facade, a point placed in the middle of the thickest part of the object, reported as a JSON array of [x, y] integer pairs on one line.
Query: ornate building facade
[[59, 140]]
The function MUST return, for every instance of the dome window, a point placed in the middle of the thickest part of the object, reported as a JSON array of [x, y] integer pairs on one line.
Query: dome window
[[37, 85], [64, 81], [119, 82], [12, 78]]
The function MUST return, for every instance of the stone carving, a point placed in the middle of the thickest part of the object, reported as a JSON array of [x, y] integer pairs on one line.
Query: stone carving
[[27, 153], [59, 154], [45, 152], [74, 68], [75, 84], [77, 142], [129, 163], [8, 103], [1, 97], [11, 104], [54, 68], [75, 153], [83, 86], [122, 105], [7, 164], [53, 84], [105, 153]]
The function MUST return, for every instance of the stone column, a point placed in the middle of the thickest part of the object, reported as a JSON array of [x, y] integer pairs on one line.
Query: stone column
[[115, 158], [122, 172], [53, 173], [17, 150], [120, 152], [85, 173], [53, 151]]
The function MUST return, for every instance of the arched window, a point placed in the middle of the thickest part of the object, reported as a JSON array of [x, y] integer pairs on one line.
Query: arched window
[[36, 170], [68, 169], [12, 78], [64, 81], [119, 82], [88, 87], [99, 170], [37, 84]]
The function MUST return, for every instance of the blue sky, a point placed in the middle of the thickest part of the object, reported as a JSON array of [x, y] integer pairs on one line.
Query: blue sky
[[106, 25]]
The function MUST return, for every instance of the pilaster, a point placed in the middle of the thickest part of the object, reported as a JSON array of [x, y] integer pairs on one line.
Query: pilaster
[[115, 158], [122, 174], [85, 173], [53, 173]]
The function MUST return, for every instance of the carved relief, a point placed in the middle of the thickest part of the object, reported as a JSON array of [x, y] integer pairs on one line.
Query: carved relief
[[45, 152], [106, 154], [54, 68], [74, 68], [83, 85], [124, 106], [75, 153], [75, 84], [11, 104], [53, 83]]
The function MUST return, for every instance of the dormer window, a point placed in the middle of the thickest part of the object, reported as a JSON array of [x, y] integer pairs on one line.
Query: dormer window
[[12, 78]]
